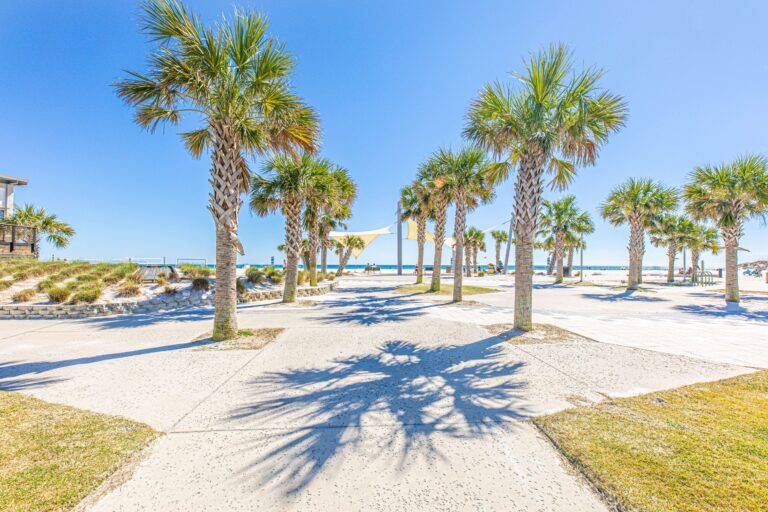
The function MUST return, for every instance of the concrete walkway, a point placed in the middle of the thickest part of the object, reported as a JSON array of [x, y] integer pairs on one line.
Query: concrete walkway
[[369, 400]]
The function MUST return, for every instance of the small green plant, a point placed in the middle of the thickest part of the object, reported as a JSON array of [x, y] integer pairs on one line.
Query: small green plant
[[161, 280], [255, 275], [330, 276], [276, 277], [268, 271], [193, 271], [5, 284], [170, 290], [201, 284], [129, 289], [59, 294], [302, 277], [24, 295], [135, 277], [481, 273], [240, 286], [46, 284], [89, 294]]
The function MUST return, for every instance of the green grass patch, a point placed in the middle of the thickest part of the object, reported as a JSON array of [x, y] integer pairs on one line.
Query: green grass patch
[[52, 456], [697, 448], [445, 289]]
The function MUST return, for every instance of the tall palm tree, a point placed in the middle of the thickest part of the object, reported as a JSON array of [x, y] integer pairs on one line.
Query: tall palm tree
[[729, 195], [336, 209], [475, 240], [433, 174], [416, 205], [701, 238], [284, 183], [499, 237], [329, 220], [235, 80], [57, 233], [636, 202], [466, 173], [561, 219], [347, 246], [575, 239], [554, 121], [672, 232]]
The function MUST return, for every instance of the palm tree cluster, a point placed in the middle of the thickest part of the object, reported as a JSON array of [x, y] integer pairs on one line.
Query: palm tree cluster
[[562, 225], [724, 195], [234, 80]]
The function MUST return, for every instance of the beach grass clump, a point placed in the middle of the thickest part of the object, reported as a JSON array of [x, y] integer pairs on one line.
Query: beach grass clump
[[170, 290], [88, 294], [25, 295], [162, 280], [240, 286], [193, 271], [5, 284], [302, 277], [255, 275], [134, 277], [129, 289], [276, 277], [46, 284], [52, 456], [330, 276], [698, 447], [59, 294], [201, 284]]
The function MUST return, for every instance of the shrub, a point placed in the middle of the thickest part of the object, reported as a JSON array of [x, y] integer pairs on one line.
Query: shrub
[[5, 284], [302, 277], [330, 276], [194, 271], [240, 286], [46, 284], [170, 290], [255, 275], [88, 294], [201, 284], [129, 289], [24, 295], [161, 280], [134, 278], [276, 277], [21, 275], [111, 279], [58, 294], [481, 273], [320, 276]]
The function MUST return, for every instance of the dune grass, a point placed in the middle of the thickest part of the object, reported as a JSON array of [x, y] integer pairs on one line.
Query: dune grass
[[445, 289], [697, 448], [52, 456]]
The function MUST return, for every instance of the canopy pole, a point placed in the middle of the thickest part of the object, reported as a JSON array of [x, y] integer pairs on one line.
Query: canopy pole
[[509, 242], [399, 241]]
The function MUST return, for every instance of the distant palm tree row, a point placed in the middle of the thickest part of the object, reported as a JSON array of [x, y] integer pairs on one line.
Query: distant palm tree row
[[726, 196], [234, 79]]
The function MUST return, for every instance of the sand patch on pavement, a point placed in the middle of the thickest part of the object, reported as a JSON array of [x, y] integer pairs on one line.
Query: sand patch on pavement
[[541, 333], [248, 339]]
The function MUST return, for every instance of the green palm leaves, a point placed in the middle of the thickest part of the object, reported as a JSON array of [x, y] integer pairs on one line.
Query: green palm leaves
[[563, 223], [57, 232], [555, 120]]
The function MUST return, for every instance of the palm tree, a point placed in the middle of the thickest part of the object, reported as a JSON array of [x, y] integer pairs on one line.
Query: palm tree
[[57, 233], [499, 237], [701, 238], [475, 239], [336, 207], [465, 173], [347, 246], [328, 222], [284, 183], [234, 79], [416, 204], [636, 203], [729, 195], [671, 231], [561, 219], [433, 174], [575, 239], [553, 122]]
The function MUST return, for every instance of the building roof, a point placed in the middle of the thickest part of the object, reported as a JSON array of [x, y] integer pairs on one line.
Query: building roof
[[12, 180]]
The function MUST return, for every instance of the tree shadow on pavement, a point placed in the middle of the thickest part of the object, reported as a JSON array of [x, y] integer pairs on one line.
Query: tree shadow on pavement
[[724, 311], [374, 309], [417, 392], [625, 296]]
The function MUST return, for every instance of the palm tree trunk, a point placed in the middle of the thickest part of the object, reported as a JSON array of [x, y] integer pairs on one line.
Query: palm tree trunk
[[458, 234], [731, 241], [292, 211], [640, 257], [635, 252], [324, 256], [440, 207], [570, 259], [226, 180], [421, 236], [467, 259], [528, 191], [343, 261], [474, 260], [551, 265], [695, 260], [498, 252], [312, 244], [559, 254], [671, 252]]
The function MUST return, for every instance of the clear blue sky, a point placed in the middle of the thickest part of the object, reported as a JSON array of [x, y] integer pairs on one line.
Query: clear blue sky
[[392, 81]]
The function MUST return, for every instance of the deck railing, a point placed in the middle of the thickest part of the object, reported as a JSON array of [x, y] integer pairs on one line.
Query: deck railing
[[17, 240]]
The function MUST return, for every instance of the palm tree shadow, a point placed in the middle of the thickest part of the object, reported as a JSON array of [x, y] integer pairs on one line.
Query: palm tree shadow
[[727, 312], [461, 391], [625, 296], [374, 309]]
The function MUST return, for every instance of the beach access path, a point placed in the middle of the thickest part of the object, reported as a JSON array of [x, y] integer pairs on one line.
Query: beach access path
[[369, 399]]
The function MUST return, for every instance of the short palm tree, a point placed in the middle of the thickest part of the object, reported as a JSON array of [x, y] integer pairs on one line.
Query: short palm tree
[[234, 79], [499, 237], [729, 195], [347, 246], [575, 239], [701, 238], [636, 202], [433, 174], [561, 219], [416, 205], [57, 233], [330, 220], [284, 183], [554, 121], [672, 232], [475, 239]]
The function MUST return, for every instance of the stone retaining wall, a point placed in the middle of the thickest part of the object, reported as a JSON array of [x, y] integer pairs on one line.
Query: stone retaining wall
[[121, 308]]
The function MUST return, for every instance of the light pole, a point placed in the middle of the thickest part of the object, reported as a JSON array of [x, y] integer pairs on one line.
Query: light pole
[[581, 259], [399, 241], [509, 242]]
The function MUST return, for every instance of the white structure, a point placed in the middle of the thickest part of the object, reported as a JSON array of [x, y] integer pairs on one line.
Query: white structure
[[7, 185]]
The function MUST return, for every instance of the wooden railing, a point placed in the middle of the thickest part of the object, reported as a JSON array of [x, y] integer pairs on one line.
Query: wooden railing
[[17, 240]]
